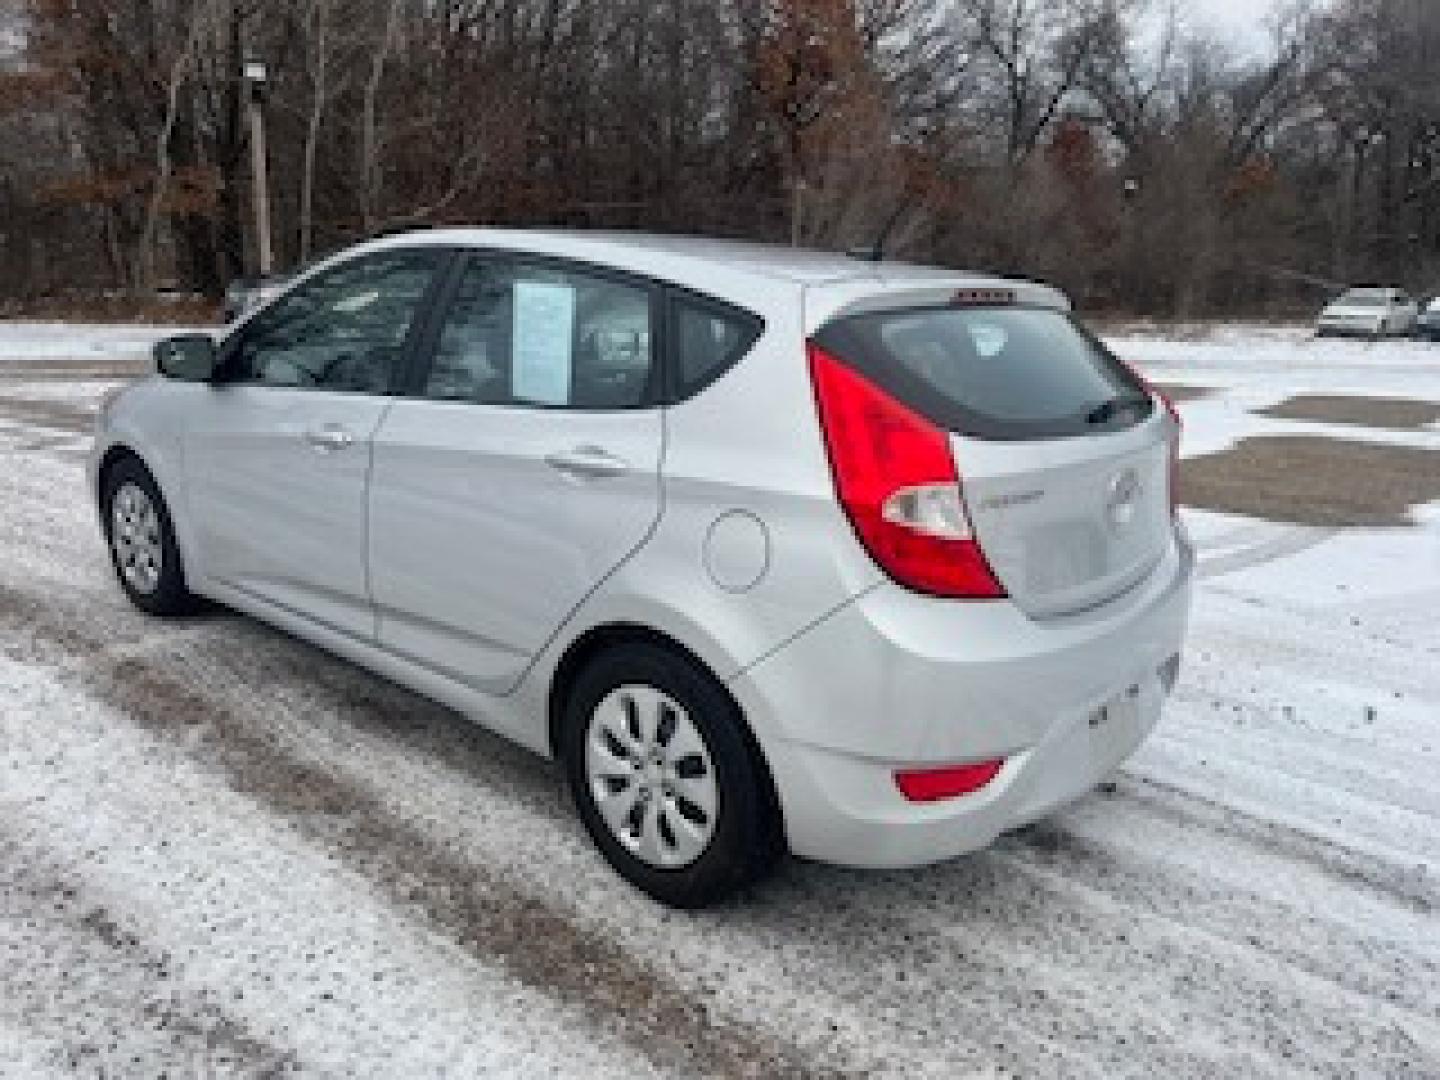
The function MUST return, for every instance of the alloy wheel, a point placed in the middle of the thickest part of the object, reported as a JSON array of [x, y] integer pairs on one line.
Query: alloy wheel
[[135, 535], [651, 776]]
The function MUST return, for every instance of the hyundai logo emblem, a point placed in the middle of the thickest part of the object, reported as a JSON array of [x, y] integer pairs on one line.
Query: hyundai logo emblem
[[1123, 498]]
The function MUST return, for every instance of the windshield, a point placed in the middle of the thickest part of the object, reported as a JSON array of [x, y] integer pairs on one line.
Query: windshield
[[992, 372], [1364, 298]]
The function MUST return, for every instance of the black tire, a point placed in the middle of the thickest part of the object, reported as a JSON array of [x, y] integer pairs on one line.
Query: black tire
[[747, 839], [170, 596]]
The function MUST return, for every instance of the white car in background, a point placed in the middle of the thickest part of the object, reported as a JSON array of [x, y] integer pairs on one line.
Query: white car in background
[[1428, 326], [1369, 312]]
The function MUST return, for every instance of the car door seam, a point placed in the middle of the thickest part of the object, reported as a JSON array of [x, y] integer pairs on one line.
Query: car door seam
[[366, 513], [636, 548]]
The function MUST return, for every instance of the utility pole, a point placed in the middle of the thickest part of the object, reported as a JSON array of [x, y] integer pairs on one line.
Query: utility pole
[[797, 211], [255, 75]]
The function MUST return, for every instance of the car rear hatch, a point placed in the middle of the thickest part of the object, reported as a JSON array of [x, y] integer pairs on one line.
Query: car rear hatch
[[1064, 456], [1069, 525]]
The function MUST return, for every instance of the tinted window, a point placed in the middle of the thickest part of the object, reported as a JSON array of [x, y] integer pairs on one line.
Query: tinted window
[[344, 329], [707, 339], [520, 333], [994, 373]]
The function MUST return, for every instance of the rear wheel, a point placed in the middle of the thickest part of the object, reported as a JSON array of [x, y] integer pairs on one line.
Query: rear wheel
[[141, 539], [664, 778]]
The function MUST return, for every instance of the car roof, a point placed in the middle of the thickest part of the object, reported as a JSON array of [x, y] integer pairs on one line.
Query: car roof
[[801, 266], [754, 275]]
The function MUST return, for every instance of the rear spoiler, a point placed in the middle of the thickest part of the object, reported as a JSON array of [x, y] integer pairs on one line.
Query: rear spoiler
[[826, 303]]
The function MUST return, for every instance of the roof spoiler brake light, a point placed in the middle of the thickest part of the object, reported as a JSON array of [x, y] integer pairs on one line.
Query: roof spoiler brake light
[[983, 297]]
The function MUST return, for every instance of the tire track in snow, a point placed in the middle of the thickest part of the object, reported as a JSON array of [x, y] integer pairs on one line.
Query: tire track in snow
[[1368, 965], [476, 907], [1258, 547], [1408, 887], [48, 415], [1068, 979], [1228, 1000], [99, 996]]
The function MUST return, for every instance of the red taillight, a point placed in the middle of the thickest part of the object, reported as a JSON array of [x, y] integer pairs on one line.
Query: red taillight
[[1174, 442], [932, 785], [897, 481]]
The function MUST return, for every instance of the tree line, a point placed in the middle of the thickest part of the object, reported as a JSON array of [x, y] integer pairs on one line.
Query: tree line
[[1143, 164]]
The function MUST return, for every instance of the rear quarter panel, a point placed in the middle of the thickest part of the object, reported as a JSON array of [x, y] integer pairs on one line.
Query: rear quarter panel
[[746, 454]]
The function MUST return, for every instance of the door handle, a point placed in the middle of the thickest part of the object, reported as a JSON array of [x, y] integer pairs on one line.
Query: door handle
[[587, 463], [329, 438]]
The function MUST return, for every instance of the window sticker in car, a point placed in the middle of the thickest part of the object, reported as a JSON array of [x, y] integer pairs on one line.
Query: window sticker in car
[[543, 342]]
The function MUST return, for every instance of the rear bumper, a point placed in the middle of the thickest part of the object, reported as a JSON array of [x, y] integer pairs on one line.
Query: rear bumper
[[895, 681]]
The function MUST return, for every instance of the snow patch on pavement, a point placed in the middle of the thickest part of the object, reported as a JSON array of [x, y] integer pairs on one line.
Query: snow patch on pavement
[[252, 919], [77, 341]]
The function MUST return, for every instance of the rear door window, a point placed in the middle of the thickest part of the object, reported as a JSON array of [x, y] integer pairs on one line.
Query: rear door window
[[545, 335], [999, 373]]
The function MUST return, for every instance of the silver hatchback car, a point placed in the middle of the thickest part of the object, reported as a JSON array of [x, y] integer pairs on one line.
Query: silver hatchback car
[[774, 550]]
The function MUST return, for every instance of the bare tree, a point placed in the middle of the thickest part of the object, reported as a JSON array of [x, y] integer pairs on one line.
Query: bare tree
[[201, 23], [1104, 144], [1036, 53], [369, 113]]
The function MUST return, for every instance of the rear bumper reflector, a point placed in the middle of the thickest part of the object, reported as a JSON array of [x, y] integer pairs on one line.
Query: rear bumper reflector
[[933, 785]]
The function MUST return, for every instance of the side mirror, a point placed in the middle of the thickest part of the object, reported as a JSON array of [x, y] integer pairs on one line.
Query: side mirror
[[188, 357]]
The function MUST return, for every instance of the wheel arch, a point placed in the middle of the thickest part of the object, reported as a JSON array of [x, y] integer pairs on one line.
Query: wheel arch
[[599, 639], [123, 449], [112, 457]]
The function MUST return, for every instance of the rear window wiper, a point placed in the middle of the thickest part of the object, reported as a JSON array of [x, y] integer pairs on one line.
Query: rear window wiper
[[1109, 410]]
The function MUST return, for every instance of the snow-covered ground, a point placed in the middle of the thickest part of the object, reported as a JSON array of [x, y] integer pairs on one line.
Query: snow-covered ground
[[20, 342], [222, 853]]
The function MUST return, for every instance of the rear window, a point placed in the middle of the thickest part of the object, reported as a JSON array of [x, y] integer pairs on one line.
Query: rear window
[[1002, 373]]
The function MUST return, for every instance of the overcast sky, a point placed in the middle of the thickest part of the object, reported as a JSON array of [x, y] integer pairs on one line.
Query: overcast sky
[[1244, 18]]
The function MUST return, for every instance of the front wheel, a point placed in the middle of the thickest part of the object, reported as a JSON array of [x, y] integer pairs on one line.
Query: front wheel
[[141, 539], [664, 778]]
